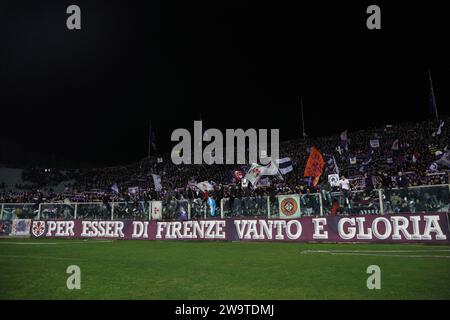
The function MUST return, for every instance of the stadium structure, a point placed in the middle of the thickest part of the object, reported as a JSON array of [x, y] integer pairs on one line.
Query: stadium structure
[[387, 186]]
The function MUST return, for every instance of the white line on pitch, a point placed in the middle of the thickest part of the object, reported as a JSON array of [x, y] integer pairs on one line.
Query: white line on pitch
[[374, 251], [84, 241], [40, 257], [388, 255], [20, 243]]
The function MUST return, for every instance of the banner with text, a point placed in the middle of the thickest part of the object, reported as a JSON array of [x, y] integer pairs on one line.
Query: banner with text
[[429, 228]]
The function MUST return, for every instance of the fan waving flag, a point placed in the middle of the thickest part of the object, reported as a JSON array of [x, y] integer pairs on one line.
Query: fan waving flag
[[257, 171], [344, 140], [314, 165], [238, 175], [330, 163], [133, 190], [374, 143], [157, 182], [395, 145], [212, 206], [205, 186], [439, 129], [432, 107], [115, 188], [254, 174]]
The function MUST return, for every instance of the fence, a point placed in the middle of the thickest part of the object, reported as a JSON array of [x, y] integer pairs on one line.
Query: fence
[[417, 199], [245, 207], [414, 199]]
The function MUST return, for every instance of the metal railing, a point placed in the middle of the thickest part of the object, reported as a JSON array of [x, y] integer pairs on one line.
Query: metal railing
[[416, 199], [434, 198]]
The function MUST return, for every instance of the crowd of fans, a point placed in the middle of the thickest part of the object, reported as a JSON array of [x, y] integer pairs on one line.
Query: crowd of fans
[[402, 159]]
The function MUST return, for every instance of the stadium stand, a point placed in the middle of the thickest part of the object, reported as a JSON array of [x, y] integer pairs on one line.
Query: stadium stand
[[370, 158]]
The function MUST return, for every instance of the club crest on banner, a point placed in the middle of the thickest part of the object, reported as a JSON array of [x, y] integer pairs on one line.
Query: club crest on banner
[[256, 172], [38, 228], [333, 180], [289, 206], [156, 210]]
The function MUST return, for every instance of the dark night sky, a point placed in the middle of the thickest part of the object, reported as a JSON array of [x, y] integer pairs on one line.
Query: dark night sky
[[88, 94]]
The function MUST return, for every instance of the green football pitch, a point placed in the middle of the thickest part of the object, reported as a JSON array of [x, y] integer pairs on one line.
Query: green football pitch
[[36, 269]]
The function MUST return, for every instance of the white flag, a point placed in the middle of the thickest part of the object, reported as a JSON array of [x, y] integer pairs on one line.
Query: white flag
[[205, 186], [257, 171], [115, 188], [133, 190], [156, 210], [253, 174], [375, 143], [270, 169], [157, 182], [395, 145], [439, 130], [444, 161]]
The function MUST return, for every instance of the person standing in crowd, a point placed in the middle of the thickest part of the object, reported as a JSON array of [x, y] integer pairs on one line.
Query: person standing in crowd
[[402, 181], [107, 205], [325, 190], [386, 181], [368, 185], [344, 185]]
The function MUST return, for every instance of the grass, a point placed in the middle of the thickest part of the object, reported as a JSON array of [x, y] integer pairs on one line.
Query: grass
[[36, 269]]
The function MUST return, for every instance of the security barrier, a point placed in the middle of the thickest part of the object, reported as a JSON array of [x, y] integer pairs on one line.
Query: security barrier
[[414, 199]]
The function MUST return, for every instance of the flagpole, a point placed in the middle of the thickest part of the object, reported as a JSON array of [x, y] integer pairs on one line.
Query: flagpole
[[303, 119], [150, 138], [432, 95]]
